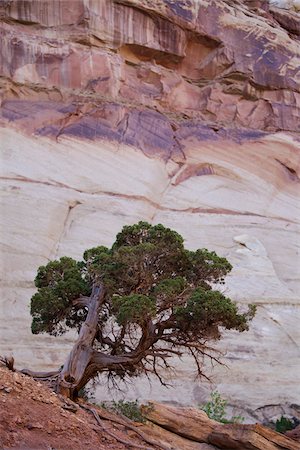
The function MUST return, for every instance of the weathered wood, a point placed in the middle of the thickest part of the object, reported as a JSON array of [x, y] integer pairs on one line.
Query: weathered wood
[[83, 362], [81, 302], [194, 424], [40, 375], [73, 371], [173, 441], [250, 437], [190, 423], [126, 423], [8, 361]]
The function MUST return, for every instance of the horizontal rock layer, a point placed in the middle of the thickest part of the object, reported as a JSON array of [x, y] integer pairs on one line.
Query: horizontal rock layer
[[172, 57], [113, 112]]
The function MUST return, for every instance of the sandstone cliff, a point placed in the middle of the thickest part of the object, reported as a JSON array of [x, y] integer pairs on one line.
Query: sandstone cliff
[[181, 112]]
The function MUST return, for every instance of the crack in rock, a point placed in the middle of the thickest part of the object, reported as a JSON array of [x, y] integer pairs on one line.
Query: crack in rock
[[65, 227]]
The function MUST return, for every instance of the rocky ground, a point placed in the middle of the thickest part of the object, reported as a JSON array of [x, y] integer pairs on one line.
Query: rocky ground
[[33, 417]]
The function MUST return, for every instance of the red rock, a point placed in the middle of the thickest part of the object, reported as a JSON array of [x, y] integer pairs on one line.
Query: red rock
[[48, 45]]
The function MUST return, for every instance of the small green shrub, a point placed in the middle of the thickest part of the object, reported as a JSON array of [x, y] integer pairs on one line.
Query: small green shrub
[[284, 424], [215, 408], [131, 410], [87, 393]]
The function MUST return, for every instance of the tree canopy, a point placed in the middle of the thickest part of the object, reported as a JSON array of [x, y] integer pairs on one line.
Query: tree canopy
[[135, 304]]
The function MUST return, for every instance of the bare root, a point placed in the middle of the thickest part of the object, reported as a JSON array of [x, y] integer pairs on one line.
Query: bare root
[[126, 425], [8, 362]]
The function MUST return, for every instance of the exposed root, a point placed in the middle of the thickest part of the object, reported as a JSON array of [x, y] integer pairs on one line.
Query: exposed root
[[129, 444], [128, 424], [48, 378], [8, 362], [40, 376]]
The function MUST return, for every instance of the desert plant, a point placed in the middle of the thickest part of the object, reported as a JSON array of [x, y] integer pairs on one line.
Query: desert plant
[[87, 393], [134, 305], [215, 408], [129, 409], [284, 424]]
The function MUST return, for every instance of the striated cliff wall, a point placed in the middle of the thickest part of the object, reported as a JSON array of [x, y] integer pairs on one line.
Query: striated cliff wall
[[181, 112]]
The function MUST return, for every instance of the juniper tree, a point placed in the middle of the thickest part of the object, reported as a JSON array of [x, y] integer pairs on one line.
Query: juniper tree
[[134, 305]]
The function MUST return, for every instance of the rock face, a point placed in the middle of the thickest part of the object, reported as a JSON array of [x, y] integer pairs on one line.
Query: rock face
[[185, 113]]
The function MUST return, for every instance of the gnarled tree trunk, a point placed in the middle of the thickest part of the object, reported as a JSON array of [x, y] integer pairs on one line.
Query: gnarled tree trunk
[[72, 376], [76, 372], [84, 362]]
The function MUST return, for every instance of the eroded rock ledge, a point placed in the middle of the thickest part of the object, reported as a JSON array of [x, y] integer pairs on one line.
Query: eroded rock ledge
[[169, 57]]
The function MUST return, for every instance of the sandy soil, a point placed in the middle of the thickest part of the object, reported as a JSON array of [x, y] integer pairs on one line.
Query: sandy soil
[[33, 417]]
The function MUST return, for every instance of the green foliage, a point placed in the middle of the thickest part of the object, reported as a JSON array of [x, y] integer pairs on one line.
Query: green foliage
[[170, 286], [215, 408], [143, 232], [208, 266], [152, 284], [63, 276], [100, 263], [47, 309], [58, 283], [284, 424], [134, 308], [87, 394], [95, 254], [209, 309], [129, 409]]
